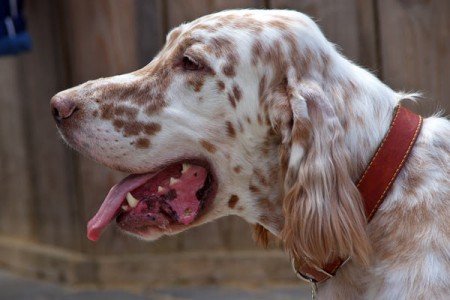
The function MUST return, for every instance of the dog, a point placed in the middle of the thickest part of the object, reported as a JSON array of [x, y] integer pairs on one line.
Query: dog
[[254, 113]]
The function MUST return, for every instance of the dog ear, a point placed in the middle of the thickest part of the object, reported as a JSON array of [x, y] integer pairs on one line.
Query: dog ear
[[323, 210]]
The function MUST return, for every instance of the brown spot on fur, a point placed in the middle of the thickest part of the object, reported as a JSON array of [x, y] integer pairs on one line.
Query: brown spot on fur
[[151, 128], [221, 46], [279, 25], [260, 177], [95, 113], [233, 201], [125, 91], [237, 93], [262, 88], [228, 70], [306, 60], [267, 145], [237, 169], [132, 128], [232, 100], [196, 83], [324, 63], [284, 152], [206, 27], [173, 35], [208, 146], [154, 107], [230, 129], [107, 111], [294, 54], [248, 24], [155, 79], [142, 143], [265, 204], [257, 50], [220, 85], [254, 189], [126, 111], [274, 57], [118, 124]]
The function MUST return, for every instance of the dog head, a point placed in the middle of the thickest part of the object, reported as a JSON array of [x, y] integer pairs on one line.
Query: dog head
[[229, 118]]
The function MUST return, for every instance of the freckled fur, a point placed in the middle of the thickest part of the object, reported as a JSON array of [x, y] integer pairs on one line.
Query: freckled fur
[[208, 146], [230, 129], [233, 201]]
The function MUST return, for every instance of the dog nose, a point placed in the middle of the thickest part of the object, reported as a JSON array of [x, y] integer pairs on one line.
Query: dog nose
[[62, 108]]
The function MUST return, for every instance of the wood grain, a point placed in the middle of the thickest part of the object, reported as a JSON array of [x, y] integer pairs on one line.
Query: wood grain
[[415, 49], [15, 180], [179, 11], [55, 213]]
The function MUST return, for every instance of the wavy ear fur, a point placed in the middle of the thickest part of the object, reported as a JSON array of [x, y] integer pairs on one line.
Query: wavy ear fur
[[324, 215]]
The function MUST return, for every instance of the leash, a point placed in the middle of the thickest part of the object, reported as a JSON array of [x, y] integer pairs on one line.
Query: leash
[[374, 184]]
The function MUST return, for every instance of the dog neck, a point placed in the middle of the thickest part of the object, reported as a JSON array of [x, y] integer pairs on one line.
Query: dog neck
[[376, 181]]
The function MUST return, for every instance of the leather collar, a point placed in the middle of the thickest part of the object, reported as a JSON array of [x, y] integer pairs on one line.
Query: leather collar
[[376, 180]]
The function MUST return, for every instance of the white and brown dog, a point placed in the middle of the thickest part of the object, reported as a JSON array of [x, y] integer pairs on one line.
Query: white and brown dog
[[254, 113]]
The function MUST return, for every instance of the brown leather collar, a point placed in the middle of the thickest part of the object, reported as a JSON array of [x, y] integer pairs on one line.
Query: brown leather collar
[[376, 180]]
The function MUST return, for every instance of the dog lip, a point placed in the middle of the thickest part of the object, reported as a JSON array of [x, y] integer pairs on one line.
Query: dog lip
[[111, 206], [149, 226]]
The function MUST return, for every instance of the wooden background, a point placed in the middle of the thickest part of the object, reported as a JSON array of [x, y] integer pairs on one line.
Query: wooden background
[[49, 192]]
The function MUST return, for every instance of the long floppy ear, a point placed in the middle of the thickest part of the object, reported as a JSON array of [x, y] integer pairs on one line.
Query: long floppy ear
[[324, 215]]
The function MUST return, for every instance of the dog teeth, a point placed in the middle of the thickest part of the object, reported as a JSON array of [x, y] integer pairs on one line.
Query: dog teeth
[[132, 202], [161, 189], [172, 181], [185, 167], [125, 207]]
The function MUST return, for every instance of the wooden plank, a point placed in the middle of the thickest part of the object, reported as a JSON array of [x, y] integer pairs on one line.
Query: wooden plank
[[101, 37], [415, 49], [15, 185], [179, 11], [143, 272], [150, 29], [52, 213], [347, 23]]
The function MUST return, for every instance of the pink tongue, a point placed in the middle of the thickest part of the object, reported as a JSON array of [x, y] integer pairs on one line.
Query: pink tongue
[[112, 203]]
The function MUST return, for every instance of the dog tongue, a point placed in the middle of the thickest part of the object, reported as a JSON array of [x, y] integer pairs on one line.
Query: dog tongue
[[112, 203]]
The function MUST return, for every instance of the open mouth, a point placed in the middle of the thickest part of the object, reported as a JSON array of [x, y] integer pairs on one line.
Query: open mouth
[[176, 195]]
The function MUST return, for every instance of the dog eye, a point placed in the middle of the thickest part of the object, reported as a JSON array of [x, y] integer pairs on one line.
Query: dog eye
[[190, 64]]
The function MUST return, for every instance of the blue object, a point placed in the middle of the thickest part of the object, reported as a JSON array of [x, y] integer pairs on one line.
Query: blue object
[[13, 36]]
